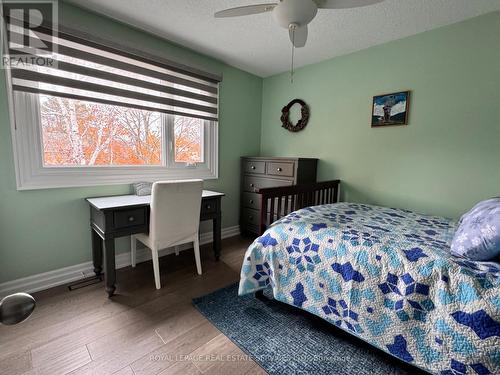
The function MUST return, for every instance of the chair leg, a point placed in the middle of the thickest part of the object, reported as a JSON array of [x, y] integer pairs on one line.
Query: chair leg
[[196, 245], [133, 250], [176, 250], [156, 267]]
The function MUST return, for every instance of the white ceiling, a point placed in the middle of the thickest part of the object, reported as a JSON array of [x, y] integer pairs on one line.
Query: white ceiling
[[258, 45]]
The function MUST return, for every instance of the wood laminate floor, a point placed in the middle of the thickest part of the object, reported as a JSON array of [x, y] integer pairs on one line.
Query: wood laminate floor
[[141, 330]]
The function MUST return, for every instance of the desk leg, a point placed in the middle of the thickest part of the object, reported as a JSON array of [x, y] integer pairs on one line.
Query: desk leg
[[217, 235], [97, 253], [109, 266]]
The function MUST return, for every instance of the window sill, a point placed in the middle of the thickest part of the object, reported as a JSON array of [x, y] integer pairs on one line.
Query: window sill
[[49, 178]]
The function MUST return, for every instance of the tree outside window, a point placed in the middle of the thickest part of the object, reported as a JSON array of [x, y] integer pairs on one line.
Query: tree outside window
[[79, 133]]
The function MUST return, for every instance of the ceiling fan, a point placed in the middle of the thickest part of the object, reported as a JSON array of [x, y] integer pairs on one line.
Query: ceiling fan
[[294, 15]]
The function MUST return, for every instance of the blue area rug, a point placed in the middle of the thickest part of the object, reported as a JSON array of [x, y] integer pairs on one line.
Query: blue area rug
[[286, 340]]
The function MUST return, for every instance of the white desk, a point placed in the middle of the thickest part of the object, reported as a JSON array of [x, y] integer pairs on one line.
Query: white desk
[[117, 201]]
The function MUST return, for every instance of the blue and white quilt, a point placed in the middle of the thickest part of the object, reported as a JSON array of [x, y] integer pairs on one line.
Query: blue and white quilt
[[387, 276]]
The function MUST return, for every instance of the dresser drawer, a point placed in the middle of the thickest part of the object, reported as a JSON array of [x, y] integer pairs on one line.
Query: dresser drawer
[[250, 216], [250, 229], [251, 183], [130, 217], [251, 200], [250, 166], [280, 169]]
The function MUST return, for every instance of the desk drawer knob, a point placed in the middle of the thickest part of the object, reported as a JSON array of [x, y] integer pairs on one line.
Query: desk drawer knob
[[252, 167], [251, 185], [131, 218], [279, 169], [251, 201]]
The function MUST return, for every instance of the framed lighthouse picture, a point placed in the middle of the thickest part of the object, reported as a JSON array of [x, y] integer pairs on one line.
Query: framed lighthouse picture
[[390, 109]]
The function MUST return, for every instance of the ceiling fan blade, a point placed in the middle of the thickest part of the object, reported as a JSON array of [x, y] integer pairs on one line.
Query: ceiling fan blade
[[298, 36], [344, 4], [245, 10]]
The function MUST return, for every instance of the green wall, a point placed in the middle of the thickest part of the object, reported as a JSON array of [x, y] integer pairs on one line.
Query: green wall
[[43, 230], [448, 157]]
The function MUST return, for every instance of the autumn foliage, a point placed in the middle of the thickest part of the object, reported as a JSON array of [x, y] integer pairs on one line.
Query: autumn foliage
[[77, 133]]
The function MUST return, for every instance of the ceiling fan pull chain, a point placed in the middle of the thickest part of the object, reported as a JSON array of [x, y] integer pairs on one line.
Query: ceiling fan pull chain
[[293, 52]]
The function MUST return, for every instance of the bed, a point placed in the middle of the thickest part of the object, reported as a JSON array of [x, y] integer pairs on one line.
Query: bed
[[386, 276]]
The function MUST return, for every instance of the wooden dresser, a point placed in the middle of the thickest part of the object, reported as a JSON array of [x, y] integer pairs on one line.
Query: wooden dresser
[[263, 172]]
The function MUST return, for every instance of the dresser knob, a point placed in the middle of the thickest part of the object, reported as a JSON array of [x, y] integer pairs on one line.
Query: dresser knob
[[131, 218], [253, 167], [251, 201], [250, 217], [251, 185], [279, 169], [208, 207]]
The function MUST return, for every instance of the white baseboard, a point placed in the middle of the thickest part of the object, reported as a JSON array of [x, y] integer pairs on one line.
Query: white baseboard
[[80, 271]]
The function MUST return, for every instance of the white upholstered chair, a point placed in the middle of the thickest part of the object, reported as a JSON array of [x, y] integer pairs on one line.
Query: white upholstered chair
[[174, 220]]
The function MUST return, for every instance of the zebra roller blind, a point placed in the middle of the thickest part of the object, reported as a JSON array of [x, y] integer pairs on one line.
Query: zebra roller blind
[[85, 68]]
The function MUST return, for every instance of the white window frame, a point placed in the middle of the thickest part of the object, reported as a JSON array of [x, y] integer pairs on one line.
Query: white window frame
[[169, 127], [31, 174]]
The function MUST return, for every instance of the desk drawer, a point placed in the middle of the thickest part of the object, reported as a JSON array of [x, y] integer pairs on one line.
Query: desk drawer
[[129, 218], [251, 183], [280, 169], [250, 166], [208, 206]]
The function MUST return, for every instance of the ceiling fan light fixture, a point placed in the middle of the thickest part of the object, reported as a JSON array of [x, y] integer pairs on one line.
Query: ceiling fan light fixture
[[299, 12], [294, 15]]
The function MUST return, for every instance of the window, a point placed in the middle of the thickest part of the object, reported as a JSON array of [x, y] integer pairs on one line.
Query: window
[[104, 115], [76, 133], [188, 140]]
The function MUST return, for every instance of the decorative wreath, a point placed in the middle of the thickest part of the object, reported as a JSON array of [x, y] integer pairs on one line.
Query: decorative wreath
[[301, 124]]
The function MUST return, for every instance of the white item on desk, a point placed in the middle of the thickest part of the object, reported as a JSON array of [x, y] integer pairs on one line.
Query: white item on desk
[[142, 188], [174, 220]]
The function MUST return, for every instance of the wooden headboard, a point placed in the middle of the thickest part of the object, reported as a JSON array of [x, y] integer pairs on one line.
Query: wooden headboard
[[279, 201]]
